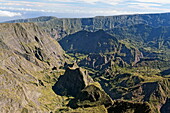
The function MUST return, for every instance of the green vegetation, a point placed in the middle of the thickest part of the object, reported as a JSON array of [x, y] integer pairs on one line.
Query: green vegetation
[[128, 57]]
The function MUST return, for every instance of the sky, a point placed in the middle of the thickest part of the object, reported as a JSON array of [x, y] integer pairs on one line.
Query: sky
[[21, 9]]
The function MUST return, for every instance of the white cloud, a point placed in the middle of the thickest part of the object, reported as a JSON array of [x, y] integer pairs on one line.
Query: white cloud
[[9, 14], [149, 7], [85, 7], [102, 12], [155, 1], [146, 4], [111, 2], [27, 9]]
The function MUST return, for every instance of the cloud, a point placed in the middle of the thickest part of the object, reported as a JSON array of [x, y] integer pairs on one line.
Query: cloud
[[73, 8], [9, 14], [149, 7], [111, 2], [146, 4], [155, 1], [28, 9]]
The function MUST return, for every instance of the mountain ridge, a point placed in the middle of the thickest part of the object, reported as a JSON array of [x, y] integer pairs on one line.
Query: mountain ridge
[[66, 26]]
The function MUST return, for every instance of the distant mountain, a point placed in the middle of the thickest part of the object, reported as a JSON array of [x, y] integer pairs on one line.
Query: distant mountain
[[38, 19], [60, 27]]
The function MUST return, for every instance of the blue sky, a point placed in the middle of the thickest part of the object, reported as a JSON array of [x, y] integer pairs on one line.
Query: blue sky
[[20, 9]]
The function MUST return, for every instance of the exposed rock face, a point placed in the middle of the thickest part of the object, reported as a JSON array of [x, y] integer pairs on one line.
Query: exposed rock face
[[25, 51], [97, 61], [28, 41], [143, 31], [138, 56], [66, 26], [100, 62], [15, 94], [72, 82]]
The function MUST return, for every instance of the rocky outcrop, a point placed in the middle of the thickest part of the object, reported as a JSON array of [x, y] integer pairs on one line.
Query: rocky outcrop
[[101, 62], [72, 82]]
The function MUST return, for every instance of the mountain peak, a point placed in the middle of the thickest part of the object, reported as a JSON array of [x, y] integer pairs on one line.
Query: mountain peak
[[72, 82]]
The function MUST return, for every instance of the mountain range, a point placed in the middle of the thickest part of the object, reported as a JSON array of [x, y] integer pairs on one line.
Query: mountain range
[[102, 64]]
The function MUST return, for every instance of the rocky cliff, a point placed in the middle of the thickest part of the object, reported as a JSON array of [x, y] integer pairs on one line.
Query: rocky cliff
[[60, 27]]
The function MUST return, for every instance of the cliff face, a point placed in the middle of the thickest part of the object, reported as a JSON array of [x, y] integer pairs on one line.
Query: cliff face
[[62, 27], [25, 51]]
